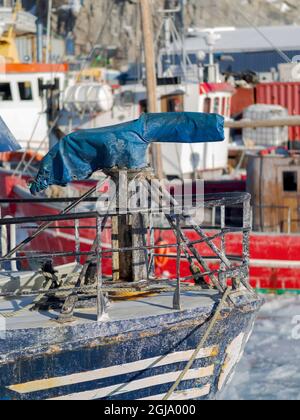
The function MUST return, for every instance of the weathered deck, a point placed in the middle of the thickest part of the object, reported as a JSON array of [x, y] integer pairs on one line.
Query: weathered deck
[[155, 306]]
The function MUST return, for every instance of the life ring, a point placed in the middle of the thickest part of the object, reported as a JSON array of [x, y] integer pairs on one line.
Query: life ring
[[162, 260], [16, 156]]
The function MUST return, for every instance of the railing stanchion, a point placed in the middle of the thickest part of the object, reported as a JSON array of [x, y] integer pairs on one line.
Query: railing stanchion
[[4, 239], [177, 295], [223, 240], [101, 308], [247, 225], [151, 272], [13, 243], [213, 216], [77, 240]]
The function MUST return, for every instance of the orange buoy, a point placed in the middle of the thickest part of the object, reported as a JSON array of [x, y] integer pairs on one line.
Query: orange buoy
[[162, 260]]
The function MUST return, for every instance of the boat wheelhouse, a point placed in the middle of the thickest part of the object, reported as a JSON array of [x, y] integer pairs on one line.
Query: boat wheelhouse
[[26, 93]]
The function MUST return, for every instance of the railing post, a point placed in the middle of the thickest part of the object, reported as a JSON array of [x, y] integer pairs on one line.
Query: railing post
[[151, 270], [247, 225], [77, 240], [177, 295], [101, 304], [13, 243], [223, 240], [8, 242], [213, 216], [3, 244]]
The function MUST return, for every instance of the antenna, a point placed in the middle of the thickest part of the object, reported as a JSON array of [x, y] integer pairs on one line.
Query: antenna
[[49, 21], [173, 39], [211, 36]]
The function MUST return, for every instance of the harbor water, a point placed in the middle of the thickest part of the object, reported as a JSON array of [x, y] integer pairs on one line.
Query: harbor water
[[270, 369]]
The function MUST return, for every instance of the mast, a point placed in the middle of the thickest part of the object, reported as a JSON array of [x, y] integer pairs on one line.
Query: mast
[[147, 28], [183, 33], [49, 21]]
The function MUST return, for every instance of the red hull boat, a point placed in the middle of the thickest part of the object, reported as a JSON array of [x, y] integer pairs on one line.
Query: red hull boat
[[275, 265]]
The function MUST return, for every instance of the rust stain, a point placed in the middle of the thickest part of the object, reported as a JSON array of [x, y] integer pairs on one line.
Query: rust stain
[[53, 350], [215, 352]]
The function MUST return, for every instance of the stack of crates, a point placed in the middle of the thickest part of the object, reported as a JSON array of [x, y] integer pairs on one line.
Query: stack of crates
[[265, 137]]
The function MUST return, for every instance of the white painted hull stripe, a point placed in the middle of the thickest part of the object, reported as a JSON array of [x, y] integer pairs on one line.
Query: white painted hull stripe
[[112, 371], [141, 384], [69, 237], [189, 394], [283, 264]]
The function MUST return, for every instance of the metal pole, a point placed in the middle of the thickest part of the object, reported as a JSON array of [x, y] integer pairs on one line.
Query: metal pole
[[39, 41], [151, 271], [77, 240], [184, 52], [4, 239], [247, 225], [101, 306], [49, 21], [213, 216], [223, 240], [13, 242], [292, 121], [177, 295]]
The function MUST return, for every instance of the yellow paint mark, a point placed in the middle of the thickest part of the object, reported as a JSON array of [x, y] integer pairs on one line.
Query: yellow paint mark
[[35, 385], [215, 352]]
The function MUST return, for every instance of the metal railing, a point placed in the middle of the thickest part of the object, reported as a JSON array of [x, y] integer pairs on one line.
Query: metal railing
[[206, 254]]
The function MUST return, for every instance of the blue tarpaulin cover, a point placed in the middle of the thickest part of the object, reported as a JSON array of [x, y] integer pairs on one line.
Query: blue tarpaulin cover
[[7, 141], [82, 153]]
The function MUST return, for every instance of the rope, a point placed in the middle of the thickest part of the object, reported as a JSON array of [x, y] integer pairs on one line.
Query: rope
[[28, 144], [49, 281], [53, 125], [92, 289], [117, 293], [264, 36], [26, 308], [200, 346]]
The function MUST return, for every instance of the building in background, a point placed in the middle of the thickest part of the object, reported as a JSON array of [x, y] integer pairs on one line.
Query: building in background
[[245, 49]]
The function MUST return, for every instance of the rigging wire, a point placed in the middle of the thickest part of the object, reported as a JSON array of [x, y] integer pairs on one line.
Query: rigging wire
[[53, 125], [264, 36], [28, 144]]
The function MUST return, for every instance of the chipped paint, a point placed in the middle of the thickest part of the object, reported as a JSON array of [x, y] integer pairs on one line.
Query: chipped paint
[[234, 354], [131, 359], [115, 371]]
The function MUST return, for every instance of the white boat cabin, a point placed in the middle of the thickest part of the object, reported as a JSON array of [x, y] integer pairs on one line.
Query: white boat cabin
[[26, 93]]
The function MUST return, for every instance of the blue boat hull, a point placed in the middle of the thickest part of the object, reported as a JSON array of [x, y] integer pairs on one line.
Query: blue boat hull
[[127, 360]]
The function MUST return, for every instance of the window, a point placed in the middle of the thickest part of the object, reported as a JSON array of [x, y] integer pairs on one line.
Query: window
[[224, 107], [217, 106], [127, 98], [143, 107], [207, 105], [5, 92], [228, 112], [290, 181], [25, 91]]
